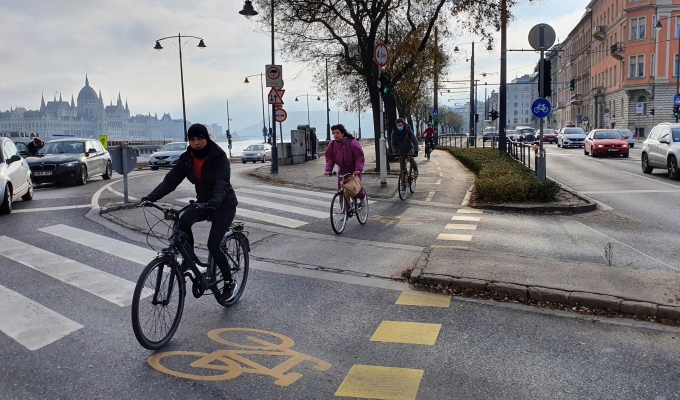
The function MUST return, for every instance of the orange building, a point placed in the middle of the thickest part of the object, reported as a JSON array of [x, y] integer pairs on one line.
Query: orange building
[[634, 62]]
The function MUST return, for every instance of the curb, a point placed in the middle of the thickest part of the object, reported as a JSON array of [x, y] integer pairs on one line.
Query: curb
[[538, 293]]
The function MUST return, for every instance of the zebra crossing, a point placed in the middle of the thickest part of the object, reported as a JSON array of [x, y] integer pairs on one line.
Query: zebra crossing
[[35, 325], [280, 205]]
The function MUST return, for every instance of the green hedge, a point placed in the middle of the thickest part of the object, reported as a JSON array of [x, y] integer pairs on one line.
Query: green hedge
[[502, 179]]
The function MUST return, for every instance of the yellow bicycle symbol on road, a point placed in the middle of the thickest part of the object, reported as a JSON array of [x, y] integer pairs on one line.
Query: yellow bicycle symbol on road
[[231, 363]]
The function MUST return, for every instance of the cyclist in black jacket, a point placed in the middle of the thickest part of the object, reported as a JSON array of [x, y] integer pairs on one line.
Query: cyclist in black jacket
[[206, 166]]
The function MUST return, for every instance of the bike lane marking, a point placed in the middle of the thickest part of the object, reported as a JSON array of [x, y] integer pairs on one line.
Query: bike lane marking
[[30, 323], [373, 382]]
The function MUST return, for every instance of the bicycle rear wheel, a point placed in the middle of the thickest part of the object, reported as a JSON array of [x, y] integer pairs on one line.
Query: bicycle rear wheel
[[157, 303], [403, 181], [339, 208], [233, 246], [412, 183], [362, 212]]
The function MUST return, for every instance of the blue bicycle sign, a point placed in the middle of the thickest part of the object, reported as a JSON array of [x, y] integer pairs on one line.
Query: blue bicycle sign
[[541, 108]]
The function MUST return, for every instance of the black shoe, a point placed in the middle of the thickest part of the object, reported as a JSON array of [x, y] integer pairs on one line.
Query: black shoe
[[229, 291]]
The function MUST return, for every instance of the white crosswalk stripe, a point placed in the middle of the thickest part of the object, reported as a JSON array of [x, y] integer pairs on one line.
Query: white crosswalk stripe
[[31, 324], [283, 207], [297, 191], [323, 203]]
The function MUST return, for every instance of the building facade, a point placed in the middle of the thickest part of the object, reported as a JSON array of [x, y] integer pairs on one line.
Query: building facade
[[89, 118], [518, 101]]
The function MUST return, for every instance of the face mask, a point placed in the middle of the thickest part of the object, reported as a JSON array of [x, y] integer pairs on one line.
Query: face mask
[[401, 128]]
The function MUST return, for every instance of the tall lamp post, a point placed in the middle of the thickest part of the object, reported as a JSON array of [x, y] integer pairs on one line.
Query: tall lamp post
[[328, 109], [318, 97], [248, 11], [473, 97], [264, 121], [201, 45]]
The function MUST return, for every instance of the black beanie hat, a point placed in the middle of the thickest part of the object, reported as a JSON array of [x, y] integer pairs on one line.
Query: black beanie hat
[[198, 130]]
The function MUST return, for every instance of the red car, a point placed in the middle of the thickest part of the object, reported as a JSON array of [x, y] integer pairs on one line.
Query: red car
[[606, 142], [549, 136]]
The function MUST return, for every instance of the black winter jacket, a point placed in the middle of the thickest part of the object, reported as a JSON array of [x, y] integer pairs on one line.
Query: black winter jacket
[[214, 183], [403, 141]]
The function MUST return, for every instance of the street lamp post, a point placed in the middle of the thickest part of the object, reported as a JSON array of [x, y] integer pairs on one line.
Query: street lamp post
[[248, 11], [328, 114], [201, 45], [264, 121], [318, 97]]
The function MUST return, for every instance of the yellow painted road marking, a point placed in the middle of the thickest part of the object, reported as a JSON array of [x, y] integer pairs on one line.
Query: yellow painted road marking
[[469, 211], [454, 236], [430, 196], [470, 227], [371, 382], [407, 332], [465, 218], [233, 361], [421, 299], [434, 246]]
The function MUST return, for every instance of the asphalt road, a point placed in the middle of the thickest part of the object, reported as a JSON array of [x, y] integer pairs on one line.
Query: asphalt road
[[477, 350]]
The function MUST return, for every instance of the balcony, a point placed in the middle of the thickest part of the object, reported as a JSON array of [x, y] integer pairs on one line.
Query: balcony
[[618, 51], [599, 32], [576, 99]]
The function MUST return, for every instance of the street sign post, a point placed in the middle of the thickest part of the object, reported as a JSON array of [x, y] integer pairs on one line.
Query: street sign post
[[280, 115], [274, 75], [676, 100], [541, 108], [381, 54], [123, 161], [639, 108], [275, 96], [606, 115]]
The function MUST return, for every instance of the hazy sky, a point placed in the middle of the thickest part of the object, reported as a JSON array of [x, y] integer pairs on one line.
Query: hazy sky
[[48, 46]]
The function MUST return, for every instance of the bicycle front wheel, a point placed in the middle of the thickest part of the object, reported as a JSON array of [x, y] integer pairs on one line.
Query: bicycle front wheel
[[157, 303], [235, 250], [339, 207], [362, 212], [412, 183], [403, 181]]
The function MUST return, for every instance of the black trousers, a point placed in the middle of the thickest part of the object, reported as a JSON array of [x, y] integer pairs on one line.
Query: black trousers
[[221, 220]]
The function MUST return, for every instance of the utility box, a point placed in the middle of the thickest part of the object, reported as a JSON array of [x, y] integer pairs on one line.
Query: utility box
[[298, 146], [118, 153]]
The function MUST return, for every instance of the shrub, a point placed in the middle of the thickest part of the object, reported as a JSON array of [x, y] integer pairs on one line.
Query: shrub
[[502, 179]]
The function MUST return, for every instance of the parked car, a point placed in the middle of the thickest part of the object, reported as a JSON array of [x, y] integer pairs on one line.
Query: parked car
[[490, 135], [168, 155], [70, 160], [15, 176], [571, 137], [510, 134], [629, 136], [549, 136], [256, 152], [662, 149], [606, 142], [525, 134]]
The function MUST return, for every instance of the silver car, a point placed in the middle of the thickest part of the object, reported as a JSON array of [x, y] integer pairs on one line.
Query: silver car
[[571, 137], [256, 152], [662, 149], [15, 176], [168, 155]]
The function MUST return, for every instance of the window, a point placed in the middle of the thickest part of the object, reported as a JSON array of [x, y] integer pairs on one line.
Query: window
[[516, 112], [677, 27], [515, 104], [651, 66], [637, 28], [665, 133], [514, 120], [653, 25], [676, 70], [516, 97], [637, 66]]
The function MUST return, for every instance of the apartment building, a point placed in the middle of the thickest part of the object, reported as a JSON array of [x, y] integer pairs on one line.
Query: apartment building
[[518, 101]]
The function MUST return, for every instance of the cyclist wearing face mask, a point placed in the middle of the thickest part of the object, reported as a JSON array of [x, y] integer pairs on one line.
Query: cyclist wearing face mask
[[404, 142]]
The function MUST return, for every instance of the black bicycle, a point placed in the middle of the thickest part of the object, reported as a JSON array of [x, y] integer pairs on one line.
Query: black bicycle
[[158, 300], [428, 148], [408, 176]]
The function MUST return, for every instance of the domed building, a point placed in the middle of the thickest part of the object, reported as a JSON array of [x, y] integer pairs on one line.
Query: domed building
[[89, 118]]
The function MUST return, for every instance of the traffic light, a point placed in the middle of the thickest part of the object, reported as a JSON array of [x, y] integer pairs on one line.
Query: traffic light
[[572, 84], [229, 137], [476, 118], [676, 111], [651, 111], [385, 84], [494, 115]]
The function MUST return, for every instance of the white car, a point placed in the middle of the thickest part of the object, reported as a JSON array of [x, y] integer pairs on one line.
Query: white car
[[571, 137], [15, 176], [168, 155], [257, 152], [629, 136]]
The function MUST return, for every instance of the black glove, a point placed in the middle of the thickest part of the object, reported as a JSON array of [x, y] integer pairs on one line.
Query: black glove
[[212, 204], [146, 200]]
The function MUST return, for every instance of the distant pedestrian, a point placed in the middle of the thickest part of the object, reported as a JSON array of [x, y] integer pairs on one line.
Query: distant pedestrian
[[345, 152], [404, 142], [34, 146]]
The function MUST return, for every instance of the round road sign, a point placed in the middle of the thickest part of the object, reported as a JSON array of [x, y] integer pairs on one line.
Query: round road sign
[[542, 37], [273, 72], [381, 54], [280, 115], [540, 108]]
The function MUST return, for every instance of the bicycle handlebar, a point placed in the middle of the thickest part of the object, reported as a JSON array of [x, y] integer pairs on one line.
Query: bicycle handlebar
[[191, 204]]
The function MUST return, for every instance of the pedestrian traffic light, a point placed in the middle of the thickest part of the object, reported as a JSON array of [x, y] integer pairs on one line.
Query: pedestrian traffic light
[[676, 111], [572, 84], [544, 78], [494, 115], [385, 84], [229, 137]]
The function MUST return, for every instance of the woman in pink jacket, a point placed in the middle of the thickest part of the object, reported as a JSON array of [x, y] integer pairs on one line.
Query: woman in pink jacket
[[345, 152]]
